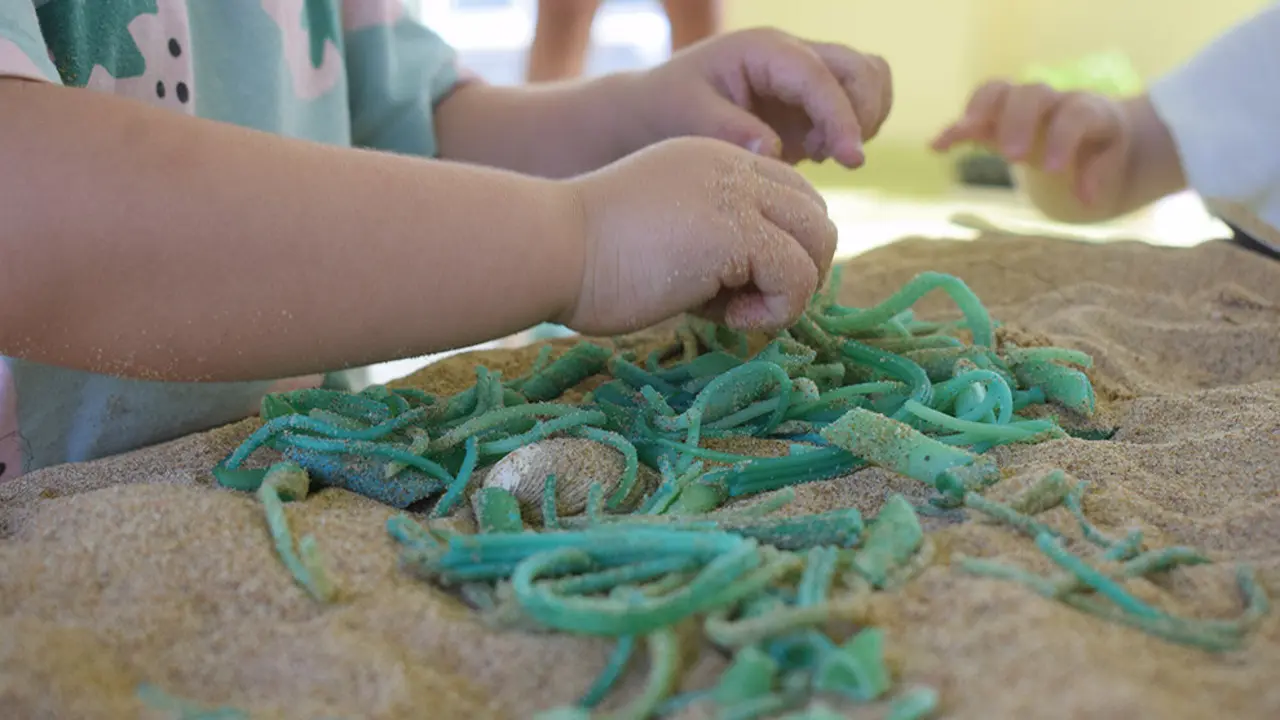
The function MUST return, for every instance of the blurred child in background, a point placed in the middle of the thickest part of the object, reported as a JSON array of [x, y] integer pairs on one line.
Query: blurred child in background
[[563, 33], [1211, 125]]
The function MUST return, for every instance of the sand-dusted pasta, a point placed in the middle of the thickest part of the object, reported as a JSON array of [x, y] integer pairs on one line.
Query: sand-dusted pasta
[[846, 387]]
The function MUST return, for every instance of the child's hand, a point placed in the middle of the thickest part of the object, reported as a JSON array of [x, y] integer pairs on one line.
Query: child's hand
[[773, 94], [698, 225], [1084, 135]]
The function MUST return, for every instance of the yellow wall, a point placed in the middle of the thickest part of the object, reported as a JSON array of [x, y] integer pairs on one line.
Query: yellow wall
[[1156, 34], [941, 49]]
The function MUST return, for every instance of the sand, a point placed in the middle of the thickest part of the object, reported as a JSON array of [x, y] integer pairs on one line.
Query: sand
[[138, 569]]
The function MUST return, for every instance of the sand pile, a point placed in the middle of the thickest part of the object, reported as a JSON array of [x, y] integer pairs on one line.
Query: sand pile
[[137, 569]]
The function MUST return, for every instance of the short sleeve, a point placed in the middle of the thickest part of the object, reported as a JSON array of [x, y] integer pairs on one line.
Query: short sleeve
[[398, 70], [23, 52], [1222, 108]]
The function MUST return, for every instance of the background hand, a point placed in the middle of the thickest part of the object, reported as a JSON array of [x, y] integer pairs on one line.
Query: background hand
[[1083, 135]]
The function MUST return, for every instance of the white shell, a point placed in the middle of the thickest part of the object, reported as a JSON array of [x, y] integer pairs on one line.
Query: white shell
[[575, 462]]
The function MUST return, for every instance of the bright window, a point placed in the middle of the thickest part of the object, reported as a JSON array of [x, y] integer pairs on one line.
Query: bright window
[[492, 36]]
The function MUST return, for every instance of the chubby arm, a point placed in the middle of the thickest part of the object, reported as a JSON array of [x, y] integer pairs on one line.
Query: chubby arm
[[148, 244], [1146, 169], [554, 130]]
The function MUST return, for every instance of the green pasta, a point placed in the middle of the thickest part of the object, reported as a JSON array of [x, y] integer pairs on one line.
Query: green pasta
[[844, 388]]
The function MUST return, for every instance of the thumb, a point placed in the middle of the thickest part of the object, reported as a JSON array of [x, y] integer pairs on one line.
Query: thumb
[[730, 123]]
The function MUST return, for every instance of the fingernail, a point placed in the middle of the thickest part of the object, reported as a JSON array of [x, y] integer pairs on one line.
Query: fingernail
[[767, 146], [758, 146], [857, 157]]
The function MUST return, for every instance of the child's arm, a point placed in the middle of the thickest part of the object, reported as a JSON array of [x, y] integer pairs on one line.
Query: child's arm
[[759, 89], [141, 242], [144, 243], [554, 130], [691, 21], [561, 36]]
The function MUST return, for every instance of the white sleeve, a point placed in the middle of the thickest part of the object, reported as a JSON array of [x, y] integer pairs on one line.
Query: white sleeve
[[1223, 109]]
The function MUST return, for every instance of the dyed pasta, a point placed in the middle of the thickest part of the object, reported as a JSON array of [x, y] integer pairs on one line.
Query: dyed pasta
[[844, 388]]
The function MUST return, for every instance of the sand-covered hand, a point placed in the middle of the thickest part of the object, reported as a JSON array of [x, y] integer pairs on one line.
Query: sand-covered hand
[[694, 224]]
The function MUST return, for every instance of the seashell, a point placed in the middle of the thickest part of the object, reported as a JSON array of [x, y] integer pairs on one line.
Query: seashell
[[576, 463]]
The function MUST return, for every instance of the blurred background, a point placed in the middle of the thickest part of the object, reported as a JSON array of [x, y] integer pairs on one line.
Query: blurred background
[[940, 50]]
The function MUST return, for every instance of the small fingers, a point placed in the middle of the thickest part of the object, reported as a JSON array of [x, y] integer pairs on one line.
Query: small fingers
[[783, 279], [797, 76], [867, 82], [886, 88], [734, 125], [978, 122], [1025, 110], [1094, 169], [805, 222], [1079, 119], [783, 174]]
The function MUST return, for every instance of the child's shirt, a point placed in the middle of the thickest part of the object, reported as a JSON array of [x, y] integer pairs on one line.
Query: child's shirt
[[1223, 109], [342, 72]]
